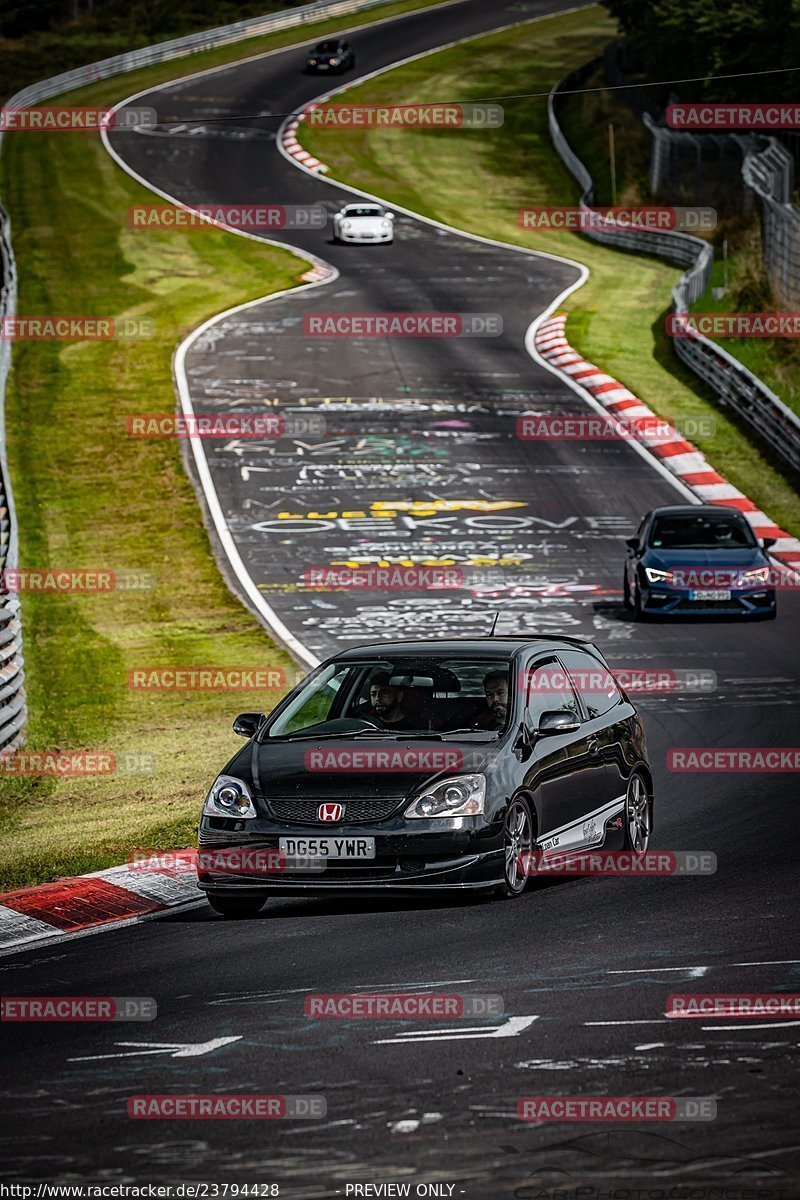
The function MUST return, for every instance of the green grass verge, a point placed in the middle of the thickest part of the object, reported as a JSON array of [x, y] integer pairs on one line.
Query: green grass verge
[[478, 181], [88, 496]]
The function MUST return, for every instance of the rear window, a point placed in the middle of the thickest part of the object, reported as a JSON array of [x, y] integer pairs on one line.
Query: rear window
[[592, 680]]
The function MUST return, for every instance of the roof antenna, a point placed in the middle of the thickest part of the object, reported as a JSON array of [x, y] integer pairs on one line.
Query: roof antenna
[[494, 623]]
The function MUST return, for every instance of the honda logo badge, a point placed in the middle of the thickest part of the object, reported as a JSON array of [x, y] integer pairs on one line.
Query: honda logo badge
[[330, 812]]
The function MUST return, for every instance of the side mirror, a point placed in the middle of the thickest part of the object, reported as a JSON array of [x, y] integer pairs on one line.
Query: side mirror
[[389, 216], [523, 743], [246, 724], [632, 543], [555, 721], [767, 542]]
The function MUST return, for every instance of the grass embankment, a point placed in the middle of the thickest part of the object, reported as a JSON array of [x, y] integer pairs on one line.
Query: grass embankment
[[88, 496], [478, 181]]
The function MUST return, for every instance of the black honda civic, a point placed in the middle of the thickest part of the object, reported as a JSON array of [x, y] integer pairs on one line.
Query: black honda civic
[[410, 766]]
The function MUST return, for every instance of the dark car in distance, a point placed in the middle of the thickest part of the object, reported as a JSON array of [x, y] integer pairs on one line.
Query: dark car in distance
[[695, 560], [332, 55], [406, 767]]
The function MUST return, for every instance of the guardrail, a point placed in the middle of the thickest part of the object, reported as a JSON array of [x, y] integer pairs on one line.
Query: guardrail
[[733, 384], [769, 173], [12, 675], [13, 711]]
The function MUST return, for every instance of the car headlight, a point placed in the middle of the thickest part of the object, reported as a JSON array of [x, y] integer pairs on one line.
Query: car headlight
[[312, 62], [332, 62], [346, 224], [459, 796], [386, 225], [229, 797], [656, 576], [757, 575]]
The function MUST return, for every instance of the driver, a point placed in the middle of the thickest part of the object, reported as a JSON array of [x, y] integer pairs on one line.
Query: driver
[[386, 704], [495, 686]]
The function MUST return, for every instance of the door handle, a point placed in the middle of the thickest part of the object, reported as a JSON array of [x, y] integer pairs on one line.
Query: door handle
[[594, 747]]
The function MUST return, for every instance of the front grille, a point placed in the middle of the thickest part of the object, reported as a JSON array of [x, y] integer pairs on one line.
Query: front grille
[[304, 812]]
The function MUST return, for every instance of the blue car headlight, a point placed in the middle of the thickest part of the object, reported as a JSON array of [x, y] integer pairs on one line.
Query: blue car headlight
[[458, 796], [756, 575], [654, 575], [229, 797]]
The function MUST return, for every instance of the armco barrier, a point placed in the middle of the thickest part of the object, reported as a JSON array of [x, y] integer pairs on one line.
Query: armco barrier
[[732, 383], [12, 675], [12, 694]]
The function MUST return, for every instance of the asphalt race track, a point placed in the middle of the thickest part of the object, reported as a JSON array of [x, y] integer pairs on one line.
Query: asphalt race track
[[420, 443]]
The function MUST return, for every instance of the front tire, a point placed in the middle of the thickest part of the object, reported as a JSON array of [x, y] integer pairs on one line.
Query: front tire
[[638, 815], [517, 840], [236, 906]]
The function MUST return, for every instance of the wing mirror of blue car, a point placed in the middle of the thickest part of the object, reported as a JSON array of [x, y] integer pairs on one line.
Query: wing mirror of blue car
[[632, 543], [557, 721], [246, 724], [768, 542]]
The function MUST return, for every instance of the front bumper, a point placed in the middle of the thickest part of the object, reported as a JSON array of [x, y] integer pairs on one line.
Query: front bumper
[[364, 239], [460, 853], [678, 602]]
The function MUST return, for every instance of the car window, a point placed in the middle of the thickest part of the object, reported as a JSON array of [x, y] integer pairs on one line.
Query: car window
[[548, 689], [701, 531], [314, 704], [592, 680]]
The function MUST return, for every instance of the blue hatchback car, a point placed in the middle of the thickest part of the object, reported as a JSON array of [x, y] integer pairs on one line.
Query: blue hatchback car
[[698, 560]]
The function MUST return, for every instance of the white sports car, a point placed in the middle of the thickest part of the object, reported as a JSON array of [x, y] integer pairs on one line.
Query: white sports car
[[363, 223]]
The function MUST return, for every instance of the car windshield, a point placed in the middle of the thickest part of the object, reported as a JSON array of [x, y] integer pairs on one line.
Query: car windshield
[[362, 210], [706, 531], [420, 696], [328, 48]]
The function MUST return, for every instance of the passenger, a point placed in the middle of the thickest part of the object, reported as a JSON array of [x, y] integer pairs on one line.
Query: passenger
[[495, 685]]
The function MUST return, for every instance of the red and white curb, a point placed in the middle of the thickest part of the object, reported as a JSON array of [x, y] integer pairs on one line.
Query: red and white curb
[[679, 457], [89, 902], [294, 149]]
